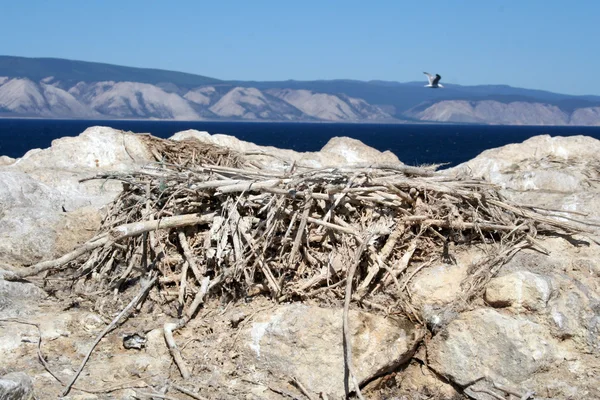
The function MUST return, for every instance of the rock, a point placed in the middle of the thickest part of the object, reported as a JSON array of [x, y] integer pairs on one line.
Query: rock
[[30, 234], [97, 149], [43, 204], [417, 378], [17, 297], [306, 342], [352, 151], [485, 343], [521, 290], [17, 189], [16, 386], [337, 152], [6, 160], [553, 172], [439, 284], [575, 315]]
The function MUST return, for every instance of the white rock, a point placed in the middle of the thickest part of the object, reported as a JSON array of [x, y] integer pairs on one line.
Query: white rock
[[339, 151], [16, 386], [306, 342], [521, 290], [485, 343], [6, 160]]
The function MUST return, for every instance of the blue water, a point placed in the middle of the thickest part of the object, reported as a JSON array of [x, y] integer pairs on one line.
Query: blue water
[[414, 144]]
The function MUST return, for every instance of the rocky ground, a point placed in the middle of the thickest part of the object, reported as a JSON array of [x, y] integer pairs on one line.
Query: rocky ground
[[534, 333]]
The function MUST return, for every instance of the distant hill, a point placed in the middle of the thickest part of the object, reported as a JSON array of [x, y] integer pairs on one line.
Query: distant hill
[[71, 72], [58, 88]]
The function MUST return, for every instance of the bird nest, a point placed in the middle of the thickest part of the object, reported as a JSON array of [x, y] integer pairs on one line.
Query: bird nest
[[206, 221]]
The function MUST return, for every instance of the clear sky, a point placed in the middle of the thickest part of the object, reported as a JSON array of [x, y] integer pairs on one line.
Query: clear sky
[[540, 44]]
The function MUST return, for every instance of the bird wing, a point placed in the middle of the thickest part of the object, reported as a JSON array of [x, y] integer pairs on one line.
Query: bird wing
[[429, 76], [437, 79]]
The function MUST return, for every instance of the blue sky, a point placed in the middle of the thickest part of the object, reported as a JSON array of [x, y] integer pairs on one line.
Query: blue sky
[[550, 45]]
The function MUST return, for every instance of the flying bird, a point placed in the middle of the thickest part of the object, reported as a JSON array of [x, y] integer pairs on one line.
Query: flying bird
[[433, 81]]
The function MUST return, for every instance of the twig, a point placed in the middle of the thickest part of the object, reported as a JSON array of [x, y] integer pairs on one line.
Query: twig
[[39, 345], [157, 395], [116, 234], [112, 325], [188, 392], [174, 350], [349, 367], [300, 386], [187, 252]]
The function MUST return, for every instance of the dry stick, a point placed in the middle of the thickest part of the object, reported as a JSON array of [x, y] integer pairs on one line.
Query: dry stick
[[372, 271], [249, 186], [537, 217], [346, 327], [300, 386], [111, 326], [121, 386], [484, 226], [188, 392], [169, 327], [156, 395], [46, 265], [273, 285], [117, 233], [174, 350], [300, 232], [413, 274], [183, 283], [403, 262], [198, 300], [39, 345], [187, 252]]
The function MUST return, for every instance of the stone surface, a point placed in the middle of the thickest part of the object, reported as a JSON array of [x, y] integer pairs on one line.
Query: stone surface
[[521, 290], [337, 152], [417, 378], [439, 284], [306, 342], [6, 160], [485, 342], [45, 210], [352, 151], [17, 298], [16, 386], [553, 164]]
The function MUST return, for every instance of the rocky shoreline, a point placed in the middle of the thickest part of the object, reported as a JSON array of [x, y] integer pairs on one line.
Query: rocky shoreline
[[533, 333]]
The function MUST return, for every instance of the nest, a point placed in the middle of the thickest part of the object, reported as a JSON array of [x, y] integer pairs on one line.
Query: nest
[[205, 220]]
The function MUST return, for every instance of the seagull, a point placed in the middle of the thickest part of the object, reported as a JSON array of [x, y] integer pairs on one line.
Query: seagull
[[433, 81]]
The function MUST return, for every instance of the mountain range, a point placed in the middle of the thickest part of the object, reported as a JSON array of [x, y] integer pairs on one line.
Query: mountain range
[[59, 88]]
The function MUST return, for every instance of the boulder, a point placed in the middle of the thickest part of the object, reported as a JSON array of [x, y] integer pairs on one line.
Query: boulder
[[16, 386], [510, 165], [45, 210], [97, 149], [558, 173], [6, 160], [521, 290], [306, 342], [338, 151], [351, 151], [17, 298], [487, 344], [438, 284]]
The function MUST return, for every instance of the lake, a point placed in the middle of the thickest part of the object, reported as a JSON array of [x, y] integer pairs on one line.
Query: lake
[[414, 144]]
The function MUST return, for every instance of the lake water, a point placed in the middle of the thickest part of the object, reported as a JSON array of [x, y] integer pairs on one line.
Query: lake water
[[414, 144]]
